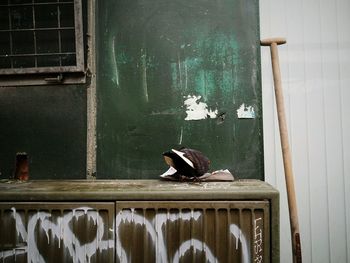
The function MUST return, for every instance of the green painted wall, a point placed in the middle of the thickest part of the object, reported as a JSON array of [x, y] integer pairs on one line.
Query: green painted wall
[[157, 60], [49, 124]]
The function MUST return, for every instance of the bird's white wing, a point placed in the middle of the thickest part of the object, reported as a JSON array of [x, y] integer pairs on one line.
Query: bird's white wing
[[183, 157]]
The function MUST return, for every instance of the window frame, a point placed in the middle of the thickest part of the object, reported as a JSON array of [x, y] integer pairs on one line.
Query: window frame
[[76, 73]]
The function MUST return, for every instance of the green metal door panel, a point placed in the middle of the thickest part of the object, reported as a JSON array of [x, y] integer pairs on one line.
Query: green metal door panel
[[49, 124], [177, 73]]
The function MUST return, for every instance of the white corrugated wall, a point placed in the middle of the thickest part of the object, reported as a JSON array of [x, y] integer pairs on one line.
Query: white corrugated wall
[[315, 66]]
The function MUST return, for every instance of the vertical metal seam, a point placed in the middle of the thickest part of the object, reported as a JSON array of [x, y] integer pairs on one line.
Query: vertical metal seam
[[216, 221], [91, 93], [238, 239], [253, 226], [59, 33], [1, 245], [341, 129], [34, 35], [192, 236], [145, 235], [181, 238], [307, 129], [268, 232], [228, 211], [252, 234], [113, 218], [325, 131], [11, 39], [204, 229]]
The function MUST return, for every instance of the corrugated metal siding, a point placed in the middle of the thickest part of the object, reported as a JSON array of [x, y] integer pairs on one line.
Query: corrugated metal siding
[[57, 232], [235, 231], [315, 67]]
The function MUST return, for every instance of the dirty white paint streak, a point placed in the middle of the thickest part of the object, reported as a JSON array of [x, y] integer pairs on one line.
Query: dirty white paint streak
[[186, 77], [83, 252], [61, 231], [144, 73], [197, 245], [197, 110], [245, 112], [127, 217], [180, 71], [9, 253], [237, 233], [21, 231], [115, 64], [154, 229], [181, 135]]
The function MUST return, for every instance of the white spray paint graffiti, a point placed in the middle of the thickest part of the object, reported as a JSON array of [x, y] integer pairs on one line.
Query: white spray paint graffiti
[[237, 233], [84, 252], [154, 229], [79, 252], [197, 245], [197, 110], [258, 240]]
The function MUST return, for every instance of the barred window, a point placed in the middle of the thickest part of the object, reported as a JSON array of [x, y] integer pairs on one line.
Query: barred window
[[41, 36]]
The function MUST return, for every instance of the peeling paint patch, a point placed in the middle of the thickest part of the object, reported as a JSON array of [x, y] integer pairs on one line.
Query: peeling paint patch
[[245, 112], [197, 110]]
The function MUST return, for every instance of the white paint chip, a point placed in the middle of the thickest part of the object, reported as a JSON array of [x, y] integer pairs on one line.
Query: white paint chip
[[245, 112], [197, 110]]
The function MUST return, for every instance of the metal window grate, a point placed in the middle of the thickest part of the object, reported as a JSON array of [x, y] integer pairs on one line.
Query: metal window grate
[[39, 36]]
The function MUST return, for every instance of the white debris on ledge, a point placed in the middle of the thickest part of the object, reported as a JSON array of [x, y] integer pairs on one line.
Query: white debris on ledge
[[216, 176]]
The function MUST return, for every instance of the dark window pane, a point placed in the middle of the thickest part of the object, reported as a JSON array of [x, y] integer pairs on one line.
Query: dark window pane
[[48, 61], [67, 15], [5, 63], [46, 16], [37, 41], [5, 43], [68, 40], [23, 42], [68, 60], [23, 62], [21, 17], [44, 1], [4, 18], [47, 41], [20, 1]]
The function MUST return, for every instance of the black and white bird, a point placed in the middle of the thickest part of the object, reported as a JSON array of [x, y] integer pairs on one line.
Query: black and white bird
[[185, 163]]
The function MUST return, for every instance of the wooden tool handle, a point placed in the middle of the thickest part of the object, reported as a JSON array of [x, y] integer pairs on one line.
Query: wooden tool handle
[[286, 153], [269, 41]]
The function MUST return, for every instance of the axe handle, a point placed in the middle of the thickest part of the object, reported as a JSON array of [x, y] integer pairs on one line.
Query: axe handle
[[287, 158]]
